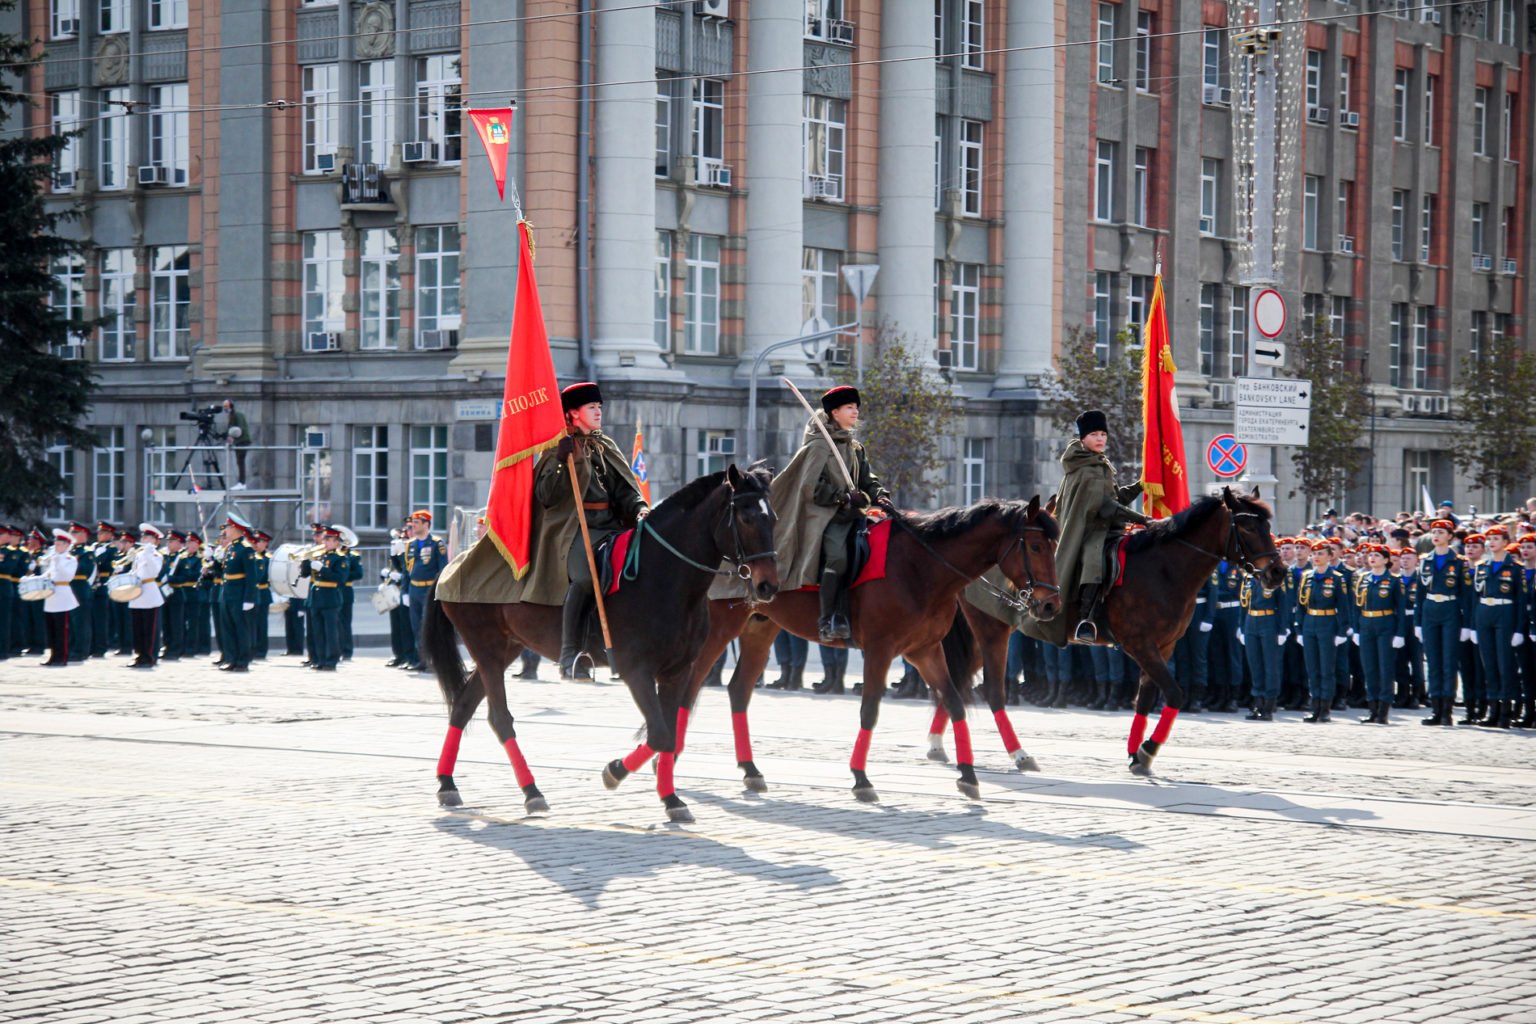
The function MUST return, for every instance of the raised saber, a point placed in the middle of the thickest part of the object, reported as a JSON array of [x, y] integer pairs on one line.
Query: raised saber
[[586, 543], [836, 456]]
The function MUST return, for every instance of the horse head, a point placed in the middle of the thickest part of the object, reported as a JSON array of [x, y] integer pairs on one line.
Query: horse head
[[1030, 562], [745, 532], [1252, 542]]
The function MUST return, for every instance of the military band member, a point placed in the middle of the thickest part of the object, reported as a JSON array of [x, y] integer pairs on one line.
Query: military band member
[[104, 553], [261, 566], [62, 566], [13, 564], [1322, 613], [425, 558], [173, 615], [1381, 606], [311, 624], [1267, 619], [34, 626], [237, 594], [119, 618], [144, 610], [402, 635], [348, 600], [1500, 624], [80, 621], [327, 572]]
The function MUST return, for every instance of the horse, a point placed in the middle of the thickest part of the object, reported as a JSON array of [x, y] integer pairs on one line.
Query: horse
[[657, 618], [910, 612]]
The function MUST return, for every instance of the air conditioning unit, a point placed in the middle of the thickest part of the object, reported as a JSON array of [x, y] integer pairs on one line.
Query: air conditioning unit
[[713, 8], [1346, 244], [1349, 118], [1410, 403], [322, 341], [1210, 94], [69, 27], [1423, 254], [713, 174], [1482, 262], [154, 174], [362, 183], [722, 445], [839, 31], [438, 340], [944, 357], [1222, 394], [325, 163], [74, 350], [1430, 15], [1207, 225], [63, 181], [315, 439], [1225, 97], [824, 188], [418, 153], [1440, 405], [1511, 267], [836, 355], [1318, 115]]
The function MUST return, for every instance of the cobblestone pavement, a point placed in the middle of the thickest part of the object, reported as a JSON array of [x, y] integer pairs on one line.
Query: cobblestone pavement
[[187, 845]]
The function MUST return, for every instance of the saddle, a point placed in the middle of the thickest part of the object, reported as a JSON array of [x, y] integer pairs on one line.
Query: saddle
[[610, 555], [1114, 576], [867, 546]]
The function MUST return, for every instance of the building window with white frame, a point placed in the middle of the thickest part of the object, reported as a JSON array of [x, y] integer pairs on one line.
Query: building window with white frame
[[112, 127], [1479, 233], [1210, 195], [1103, 334], [323, 283], [701, 334], [1237, 333], [439, 118], [819, 271], [1399, 223], [429, 471], [161, 468], [166, 14], [707, 139], [823, 143], [1213, 46], [1109, 73], [319, 85], [972, 34], [63, 19], [1477, 336], [61, 456], [1480, 121], [1400, 85], [965, 316], [1509, 127], [1343, 203], [64, 116], [107, 474], [1141, 187], [1208, 330], [67, 297], [116, 299], [379, 259], [437, 279], [112, 16], [1421, 347], [1138, 301], [661, 311], [1426, 227], [1431, 84], [1337, 304], [1143, 51], [710, 454], [1503, 16], [1104, 181], [170, 302], [375, 111], [1346, 86], [941, 131], [1416, 479], [170, 144], [1397, 344], [970, 168], [973, 470], [665, 89], [1314, 83], [1310, 189], [370, 477]]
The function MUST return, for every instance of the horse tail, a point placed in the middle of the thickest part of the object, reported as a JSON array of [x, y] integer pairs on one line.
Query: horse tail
[[959, 647], [440, 648]]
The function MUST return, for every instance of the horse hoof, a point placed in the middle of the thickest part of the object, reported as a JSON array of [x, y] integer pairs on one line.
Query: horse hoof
[[866, 794], [970, 789], [756, 783], [680, 815], [1024, 763], [937, 754], [1140, 767], [449, 798], [614, 773], [536, 805]]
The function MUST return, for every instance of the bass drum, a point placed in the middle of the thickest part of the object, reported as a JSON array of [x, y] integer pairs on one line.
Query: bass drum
[[283, 571], [35, 588], [386, 599], [124, 587]]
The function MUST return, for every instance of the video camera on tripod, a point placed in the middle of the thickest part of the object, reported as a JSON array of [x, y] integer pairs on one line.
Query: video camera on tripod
[[212, 422]]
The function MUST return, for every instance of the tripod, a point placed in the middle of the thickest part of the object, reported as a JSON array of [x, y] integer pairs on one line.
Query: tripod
[[211, 468]]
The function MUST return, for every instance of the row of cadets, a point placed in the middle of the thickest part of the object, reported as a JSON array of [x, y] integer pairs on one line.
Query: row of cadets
[[21, 622], [1267, 619], [1501, 615], [1381, 604], [1445, 597]]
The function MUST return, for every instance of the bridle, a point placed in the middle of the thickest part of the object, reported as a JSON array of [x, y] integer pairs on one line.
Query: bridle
[[1031, 602], [739, 558], [1234, 550]]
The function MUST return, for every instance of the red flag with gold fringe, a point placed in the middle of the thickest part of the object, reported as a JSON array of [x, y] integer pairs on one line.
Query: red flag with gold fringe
[[1164, 470], [495, 128], [531, 418]]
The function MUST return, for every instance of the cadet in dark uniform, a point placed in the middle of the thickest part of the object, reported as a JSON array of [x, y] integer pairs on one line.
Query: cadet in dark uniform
[[1473, 692], [261, 565], [13, 564], [1409, 668], [1226, 672], [1294, 551], [348, 600], [1349, 680], [81, 641], [326, 575], [174, 615], [103, 554], [1444, 598], [1322, 613], [317, 534], [119, 622], [1381, 606], [1528, 650], [196, 570], [1267, 619], [1190, 654], [425, 558], [237, 595], [402, 637], [1498, 582], [35, 623]]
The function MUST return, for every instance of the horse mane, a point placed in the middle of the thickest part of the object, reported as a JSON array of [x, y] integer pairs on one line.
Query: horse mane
[[1183, 523], [952, 522], [692, 494]]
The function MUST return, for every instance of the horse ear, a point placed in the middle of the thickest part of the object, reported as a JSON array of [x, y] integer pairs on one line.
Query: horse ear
[[1034, 507], [1050, 506], [1254, 496], [733, 476], [1226, 497]]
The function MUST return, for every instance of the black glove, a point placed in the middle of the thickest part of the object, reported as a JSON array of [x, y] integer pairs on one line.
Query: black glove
[[566, 449], [857, 499], [1142, 520]]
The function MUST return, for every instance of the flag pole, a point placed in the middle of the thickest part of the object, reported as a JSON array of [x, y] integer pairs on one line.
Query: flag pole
[[586, 544]]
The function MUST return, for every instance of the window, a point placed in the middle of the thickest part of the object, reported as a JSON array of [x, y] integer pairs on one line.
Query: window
[[429, 471], [1477, 340], [437, 278], [112, 139], [701, 329], [117, 300], [1397, 344], [1310, 188], [1143, 51], [1342, 206], [67, 297], [1314, 86], [1400, 104], [664, 91], [107, 474], [1208, 330], [380, 315], [965, 316], [167, 14], [375, 110], [438, 104], [938, 277], [970, 168], [370, 478], [111, 16], [818, 286], [972, 34], [1311, 313], [823, 141], [1399, 222], [64, 116], [1508, 131], [1479, 229], [1212, 47], [824, 19], [708, 457], [1104, 182], [1431, 83], [162, 468], [661, 311], [1237, 333], [1421, 347], [315, 471], [708, 139], [63, 19], [1480, 121], [940, 178], [61, 456], [323, 283], [319, 113], [1101, 324], [1426, 226], [1142, 186], [1415, 477], [1108, 73], [1508, 227], [1136, 303], [1503, 16], [973, 471], [170, 302], [169, 142], [1346, 83], [1210, 194]]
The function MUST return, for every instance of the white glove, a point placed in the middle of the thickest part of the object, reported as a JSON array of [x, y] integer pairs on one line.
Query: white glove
[[1474, 636], [1240, 638], [1467, 634], [394, 577], [1301, 641], [247, 606], [1398, 643], [1418, 633], [405, 600], [1517, 640], [1282, 638], [1355, 637], [1205, 627], [317, 563], [1339, 641]]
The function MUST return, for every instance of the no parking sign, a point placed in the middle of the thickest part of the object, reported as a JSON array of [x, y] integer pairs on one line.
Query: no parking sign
[[1227, 456]]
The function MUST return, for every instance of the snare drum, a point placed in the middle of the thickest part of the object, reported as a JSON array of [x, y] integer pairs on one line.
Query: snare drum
[[124, 587], [35, 588]]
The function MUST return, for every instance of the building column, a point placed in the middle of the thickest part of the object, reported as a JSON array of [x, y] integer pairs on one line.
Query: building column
[[904, 292], [775, 234], [624, 243], [1029, 196]]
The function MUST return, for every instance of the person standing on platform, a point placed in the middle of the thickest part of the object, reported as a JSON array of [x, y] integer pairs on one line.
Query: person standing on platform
[[425, 558], [1267, 619], [80, 620], [144, 610], [261, 567], [237, 594], [1500, 624], [173, 614], [1322, 612], [61, 566], [326, 574], [1381, 606]]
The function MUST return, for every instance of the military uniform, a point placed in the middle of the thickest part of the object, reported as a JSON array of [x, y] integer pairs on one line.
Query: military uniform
[[424, 561], [348, 600], [104, 555], [13, 562], [1226, 654], [402, 630], [261, 567], [1381, 607], [326, 574], [34, 631], [237, 588], [1409, 662], [831, 491], [1267, 619], [81, 635], [1444, 599], [1500, 620], [1323, 620], [1190, 653], [173, 617]]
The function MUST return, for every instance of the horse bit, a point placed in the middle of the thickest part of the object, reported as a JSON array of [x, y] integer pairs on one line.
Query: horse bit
[[1235, 544], [740, 559]]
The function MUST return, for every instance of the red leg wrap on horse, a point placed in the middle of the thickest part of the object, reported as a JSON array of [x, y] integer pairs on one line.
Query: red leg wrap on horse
[[963, 753], [743, 738], [682, 730], [664, 774], [1138, 731], [940, 720], [519, 763], [637, 757], [450, 755], [861, 750], [1005, 730], [1164, 724]]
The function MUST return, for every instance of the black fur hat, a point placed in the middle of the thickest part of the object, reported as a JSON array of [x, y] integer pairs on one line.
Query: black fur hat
[[578, 395], [1090, 421]]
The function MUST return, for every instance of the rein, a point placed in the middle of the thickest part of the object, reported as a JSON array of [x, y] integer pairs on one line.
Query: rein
[[1007, 599], [1234, 543], [743, 571]]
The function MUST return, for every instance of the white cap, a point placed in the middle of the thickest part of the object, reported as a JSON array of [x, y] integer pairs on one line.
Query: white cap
[[150, 528], [63, 535]]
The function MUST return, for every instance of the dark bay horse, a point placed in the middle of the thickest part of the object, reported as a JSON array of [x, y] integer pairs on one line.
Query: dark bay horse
[[1165, 566], [930, 560], [658, 620]]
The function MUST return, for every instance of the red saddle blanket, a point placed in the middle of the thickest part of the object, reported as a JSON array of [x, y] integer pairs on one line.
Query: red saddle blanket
[[879, 537], [612, 565]]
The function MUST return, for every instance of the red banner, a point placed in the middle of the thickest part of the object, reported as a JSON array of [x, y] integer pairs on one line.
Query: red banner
[[495, 128], [531, 419], [1164, 469]]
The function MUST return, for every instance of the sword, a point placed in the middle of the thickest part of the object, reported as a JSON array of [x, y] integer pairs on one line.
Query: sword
[[836, 456]]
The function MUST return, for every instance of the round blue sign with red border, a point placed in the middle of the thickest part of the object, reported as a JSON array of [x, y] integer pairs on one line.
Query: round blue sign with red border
[[1227, 456]]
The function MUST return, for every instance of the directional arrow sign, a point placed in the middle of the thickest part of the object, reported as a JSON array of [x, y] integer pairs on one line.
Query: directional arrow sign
[[1269, 353], [1258, 424], [1273, 393]]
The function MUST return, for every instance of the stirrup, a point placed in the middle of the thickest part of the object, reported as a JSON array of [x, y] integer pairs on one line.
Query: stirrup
[[1092, 632]]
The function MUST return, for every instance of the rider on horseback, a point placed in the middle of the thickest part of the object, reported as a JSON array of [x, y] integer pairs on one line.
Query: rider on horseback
[[610, 501], [1090, 509]]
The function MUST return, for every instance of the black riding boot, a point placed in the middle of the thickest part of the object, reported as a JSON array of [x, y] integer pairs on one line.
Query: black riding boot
[[797, 678], [1319, 712], [831, 625], [1100, 695], [1438, 718], [573, 631], [1087, 599], [837, 679]]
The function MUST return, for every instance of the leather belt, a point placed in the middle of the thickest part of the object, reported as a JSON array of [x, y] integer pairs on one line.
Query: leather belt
[[1377, 615], [1497, 601], [9, 579], [422, 583], [182, 586], [595, 506], [1228, 604], [1261, 611], [234, 576], [1322, 611], [1440, 598], [321, 583], [262, 586]]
